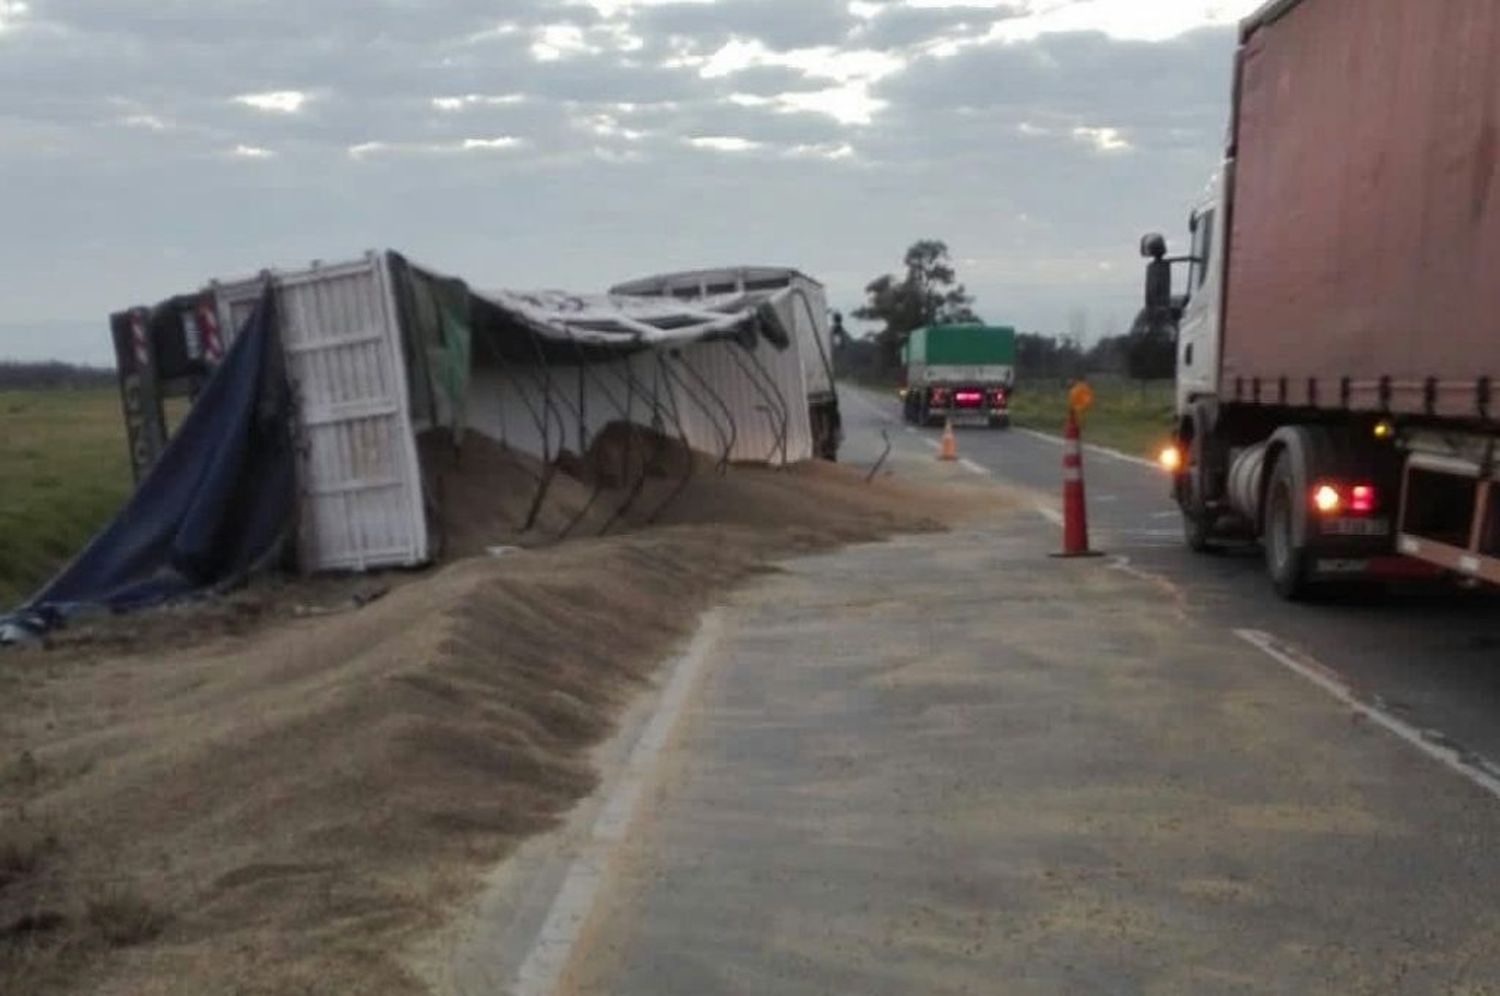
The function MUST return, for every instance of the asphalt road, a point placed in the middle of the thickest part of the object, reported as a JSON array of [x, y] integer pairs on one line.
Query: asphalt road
[[950, 764], [1430, 656]]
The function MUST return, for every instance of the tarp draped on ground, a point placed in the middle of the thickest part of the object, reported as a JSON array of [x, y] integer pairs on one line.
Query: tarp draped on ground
[[219, 502]]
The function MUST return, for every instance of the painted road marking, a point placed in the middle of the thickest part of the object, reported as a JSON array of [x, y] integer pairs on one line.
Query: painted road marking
[[1475, 768], [873, 408], [973, 467], [1049, 513], [577, 899], [1100, 450]]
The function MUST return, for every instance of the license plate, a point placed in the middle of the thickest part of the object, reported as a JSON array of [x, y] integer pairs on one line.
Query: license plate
[[1356, 527]]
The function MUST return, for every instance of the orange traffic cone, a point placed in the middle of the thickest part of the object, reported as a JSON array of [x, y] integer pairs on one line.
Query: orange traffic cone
[[1075, 508], [949, 448]]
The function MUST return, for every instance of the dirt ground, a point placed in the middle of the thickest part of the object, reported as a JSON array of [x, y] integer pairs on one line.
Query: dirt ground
[[277, 792]]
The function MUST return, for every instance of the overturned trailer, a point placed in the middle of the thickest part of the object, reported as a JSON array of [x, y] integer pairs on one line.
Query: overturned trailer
[[352, 363], [381, 349]]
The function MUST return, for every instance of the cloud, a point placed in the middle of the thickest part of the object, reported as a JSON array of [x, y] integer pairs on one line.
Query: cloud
[[251, 152], [573, 143], [779, 24], [274, 101], [502, 143], [724, 143], [11, 12], [1103, 139]]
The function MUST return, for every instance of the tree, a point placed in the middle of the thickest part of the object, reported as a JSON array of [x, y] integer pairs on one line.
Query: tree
[[928, 294]]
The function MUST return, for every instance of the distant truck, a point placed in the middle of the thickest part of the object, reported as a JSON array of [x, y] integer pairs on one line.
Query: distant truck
[[961, 372], [1338, 351]]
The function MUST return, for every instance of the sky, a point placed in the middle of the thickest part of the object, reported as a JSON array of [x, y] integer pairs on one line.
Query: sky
[[147, 146]]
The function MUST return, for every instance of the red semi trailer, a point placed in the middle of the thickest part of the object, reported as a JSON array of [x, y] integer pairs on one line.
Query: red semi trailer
[[1339, 329]]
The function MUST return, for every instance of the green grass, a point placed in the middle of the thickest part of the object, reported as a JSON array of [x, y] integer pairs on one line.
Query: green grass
[[1129, 416], [64, 471]]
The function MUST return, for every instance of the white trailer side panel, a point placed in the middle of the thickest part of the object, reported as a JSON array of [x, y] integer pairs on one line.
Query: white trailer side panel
[[359, 480], [803, 307], [717, 392]]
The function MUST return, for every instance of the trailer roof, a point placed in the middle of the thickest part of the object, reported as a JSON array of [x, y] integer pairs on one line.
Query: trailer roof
[[1269, 13], [664, 283]]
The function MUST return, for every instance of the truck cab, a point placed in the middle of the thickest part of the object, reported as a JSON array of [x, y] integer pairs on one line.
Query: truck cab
[[1201, 301]]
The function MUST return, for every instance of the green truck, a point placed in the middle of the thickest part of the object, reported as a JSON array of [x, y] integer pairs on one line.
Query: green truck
[[963, 373]]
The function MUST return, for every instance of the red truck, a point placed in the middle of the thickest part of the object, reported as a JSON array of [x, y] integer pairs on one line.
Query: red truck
[[1339, 325]]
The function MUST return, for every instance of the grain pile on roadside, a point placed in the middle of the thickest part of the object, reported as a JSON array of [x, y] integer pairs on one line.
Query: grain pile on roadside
[[282, 808]]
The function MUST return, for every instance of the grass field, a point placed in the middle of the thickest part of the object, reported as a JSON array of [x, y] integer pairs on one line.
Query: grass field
[[64, 471], [1130, 416]]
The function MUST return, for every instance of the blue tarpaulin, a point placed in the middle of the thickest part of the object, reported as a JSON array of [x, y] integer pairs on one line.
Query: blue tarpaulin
[[219, 503]]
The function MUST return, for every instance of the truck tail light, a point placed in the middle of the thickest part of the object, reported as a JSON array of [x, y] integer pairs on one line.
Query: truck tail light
[[969, 399], [998, 397], [1327, 499], [1337, 499], [941, 397]]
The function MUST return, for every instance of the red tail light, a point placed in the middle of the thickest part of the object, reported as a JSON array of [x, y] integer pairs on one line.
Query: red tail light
[[970, 399], [941, 397], [1337, 499], [997, 397]]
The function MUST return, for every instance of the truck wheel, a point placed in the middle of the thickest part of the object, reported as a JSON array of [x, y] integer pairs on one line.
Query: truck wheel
[[1198, 521], [1286, 557], [1198, 531]]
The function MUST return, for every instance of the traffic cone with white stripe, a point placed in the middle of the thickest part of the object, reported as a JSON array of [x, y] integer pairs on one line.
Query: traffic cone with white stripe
[[1075, 509]]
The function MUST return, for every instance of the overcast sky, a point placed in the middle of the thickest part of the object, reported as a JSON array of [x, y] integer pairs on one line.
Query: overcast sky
[[148, 145]]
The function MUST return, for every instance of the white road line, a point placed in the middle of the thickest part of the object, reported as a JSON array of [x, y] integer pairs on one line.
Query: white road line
[[1044, 437], [1124, 457], [1476, 769], [576, 900], [871, 406], [973, 467], [1100, 450], [935, 444], [1051, 514]]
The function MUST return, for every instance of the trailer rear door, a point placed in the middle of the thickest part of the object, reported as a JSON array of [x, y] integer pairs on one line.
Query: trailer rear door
[[361, 487]]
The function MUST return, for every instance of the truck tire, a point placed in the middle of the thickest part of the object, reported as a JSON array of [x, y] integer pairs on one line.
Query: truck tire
[[1198, 532], [1286, 553], [1198, 520]]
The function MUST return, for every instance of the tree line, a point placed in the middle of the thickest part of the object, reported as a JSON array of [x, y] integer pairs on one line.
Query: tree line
[[15, 375], [927, 292]]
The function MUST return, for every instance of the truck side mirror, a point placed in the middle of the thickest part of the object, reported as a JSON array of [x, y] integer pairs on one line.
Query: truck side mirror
[[1158, 286], [1153, 246]]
